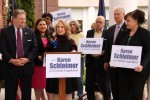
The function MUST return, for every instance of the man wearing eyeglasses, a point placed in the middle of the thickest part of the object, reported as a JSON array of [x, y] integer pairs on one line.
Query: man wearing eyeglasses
[[95, 72]]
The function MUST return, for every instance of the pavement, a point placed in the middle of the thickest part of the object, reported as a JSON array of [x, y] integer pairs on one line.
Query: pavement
[[2, 95]]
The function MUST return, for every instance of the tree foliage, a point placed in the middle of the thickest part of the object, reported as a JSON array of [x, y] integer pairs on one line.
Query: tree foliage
[[28, 6]]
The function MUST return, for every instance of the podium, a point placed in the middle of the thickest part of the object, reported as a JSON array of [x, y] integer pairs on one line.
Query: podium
[[63, 65]]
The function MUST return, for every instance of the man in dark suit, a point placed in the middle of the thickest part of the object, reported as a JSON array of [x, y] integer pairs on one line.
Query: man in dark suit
[[94, 63], [114, 37], [18, 46]]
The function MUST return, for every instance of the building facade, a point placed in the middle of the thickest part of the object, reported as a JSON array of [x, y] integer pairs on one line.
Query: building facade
[[3, 13], [86, 10], [42, 6]]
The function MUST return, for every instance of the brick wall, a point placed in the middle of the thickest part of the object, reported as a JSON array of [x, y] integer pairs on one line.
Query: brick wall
[[52, 5], [2, 13]]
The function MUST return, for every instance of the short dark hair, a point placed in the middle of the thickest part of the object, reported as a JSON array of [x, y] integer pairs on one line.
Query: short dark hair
[[137, 15], [48, 15]]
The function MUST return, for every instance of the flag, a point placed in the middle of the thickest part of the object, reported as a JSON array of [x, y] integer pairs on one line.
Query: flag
[[101, 10], [13, 6], [18, 95]]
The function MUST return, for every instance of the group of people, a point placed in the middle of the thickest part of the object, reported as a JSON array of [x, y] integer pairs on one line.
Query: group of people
[[123, 83], [23, 52]]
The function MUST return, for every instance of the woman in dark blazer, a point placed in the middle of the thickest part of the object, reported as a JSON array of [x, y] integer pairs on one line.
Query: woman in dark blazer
[[132, 81], [39, 77], [62, 43]]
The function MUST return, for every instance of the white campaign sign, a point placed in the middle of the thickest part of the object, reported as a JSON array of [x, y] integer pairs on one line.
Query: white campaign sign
[[125, 56], [63, 65], [65, 14], [90, 45]]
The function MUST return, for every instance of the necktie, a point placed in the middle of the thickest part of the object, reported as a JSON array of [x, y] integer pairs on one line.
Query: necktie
[[19, 44], [116, 32]]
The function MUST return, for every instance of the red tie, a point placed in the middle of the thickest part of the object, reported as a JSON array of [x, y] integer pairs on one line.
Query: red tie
[[19, 44]]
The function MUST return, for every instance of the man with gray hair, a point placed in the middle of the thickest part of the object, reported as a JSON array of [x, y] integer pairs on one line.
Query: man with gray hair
[[114, 37], [18, 46]]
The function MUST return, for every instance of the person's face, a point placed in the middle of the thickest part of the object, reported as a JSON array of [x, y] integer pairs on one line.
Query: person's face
[[99, 23], [118, 16], [42, 26], [20, 21], [130, 22], [73, 27], [60, 29], [48, 19]]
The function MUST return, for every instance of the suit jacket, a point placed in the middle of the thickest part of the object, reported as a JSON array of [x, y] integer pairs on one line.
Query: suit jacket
[[9, 48], [110, 37], [90, 34], [41, 49], [140, 38]]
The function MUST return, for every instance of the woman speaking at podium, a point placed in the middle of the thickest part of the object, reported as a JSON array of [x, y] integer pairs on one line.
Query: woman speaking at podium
[[61, 43]]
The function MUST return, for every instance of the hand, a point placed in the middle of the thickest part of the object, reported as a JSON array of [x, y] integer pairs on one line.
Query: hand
[[40, 58], [113, 67], [102, 53], [16, 62], [73, 51], [0, 56], [24, 60], [138, 68], [106, 65]]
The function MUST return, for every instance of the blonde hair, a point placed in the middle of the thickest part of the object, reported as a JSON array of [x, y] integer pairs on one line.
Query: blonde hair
[[66, 26], [119, 8]]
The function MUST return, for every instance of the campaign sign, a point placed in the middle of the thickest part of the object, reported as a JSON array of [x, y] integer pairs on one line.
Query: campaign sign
[[62, 14], [63, 65], [90, 45], [125, 56]]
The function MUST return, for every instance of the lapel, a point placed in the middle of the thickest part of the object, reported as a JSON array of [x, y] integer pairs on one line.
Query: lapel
[[39, 40], [13, 35], [122, 29], [112, 33], [103, 33], [92, 33], [24, 33]]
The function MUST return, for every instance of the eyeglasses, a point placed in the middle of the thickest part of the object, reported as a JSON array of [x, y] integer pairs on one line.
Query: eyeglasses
[[99, 22]]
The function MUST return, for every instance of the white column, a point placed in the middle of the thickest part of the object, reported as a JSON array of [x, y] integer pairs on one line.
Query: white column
[[148, 81], [128, 5], [42, 6], [91, 16], [85, 20]]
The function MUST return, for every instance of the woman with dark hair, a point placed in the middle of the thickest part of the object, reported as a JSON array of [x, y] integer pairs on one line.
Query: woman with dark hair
[[39, 77], [132, 81], [49, 18]]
